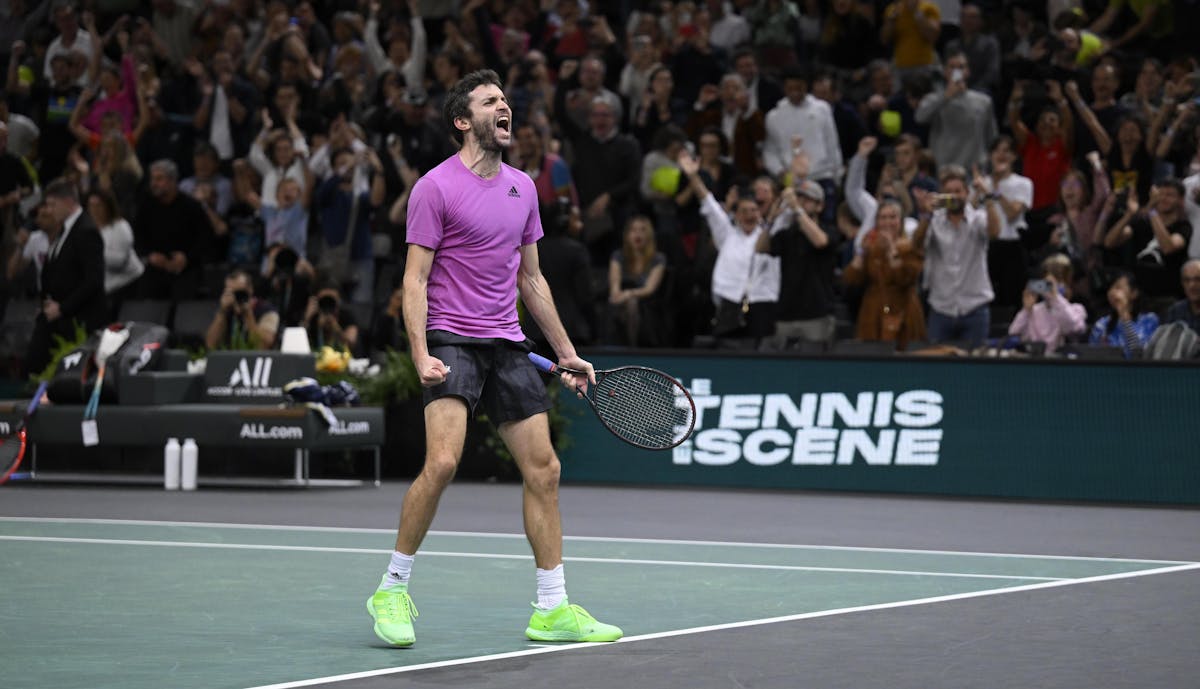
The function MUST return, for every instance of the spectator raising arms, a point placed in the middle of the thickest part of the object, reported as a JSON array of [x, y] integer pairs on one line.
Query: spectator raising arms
[[1006, 254], [347, 254], [802, 120], [741, 279], [961, 121], [955, 238], [288, 151], [1077, 225], [1047, 150], [807, 252], [259, 104], [728, 109], [911, 27], [1153, 241], [890, 267]]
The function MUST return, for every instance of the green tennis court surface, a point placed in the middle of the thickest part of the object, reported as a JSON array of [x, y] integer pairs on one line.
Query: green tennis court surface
[[94, 603]]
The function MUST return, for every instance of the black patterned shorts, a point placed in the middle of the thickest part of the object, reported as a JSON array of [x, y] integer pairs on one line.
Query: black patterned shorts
[[492, 371]]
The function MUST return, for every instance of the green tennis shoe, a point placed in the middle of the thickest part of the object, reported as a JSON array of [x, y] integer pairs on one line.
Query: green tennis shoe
[[393, 611], [569, 623]]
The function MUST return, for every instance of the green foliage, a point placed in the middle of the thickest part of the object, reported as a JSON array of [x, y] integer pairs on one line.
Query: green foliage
[[396, 380], [62, 346]]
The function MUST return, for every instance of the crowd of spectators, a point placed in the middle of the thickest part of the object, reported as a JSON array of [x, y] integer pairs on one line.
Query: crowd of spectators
[[764, 173]]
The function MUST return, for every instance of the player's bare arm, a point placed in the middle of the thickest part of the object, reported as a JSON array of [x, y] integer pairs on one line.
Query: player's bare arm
[[535, 292], [430, 369]]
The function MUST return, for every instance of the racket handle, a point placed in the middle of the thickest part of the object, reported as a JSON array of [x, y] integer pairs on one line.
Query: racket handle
[[543, 363], [37, 398]]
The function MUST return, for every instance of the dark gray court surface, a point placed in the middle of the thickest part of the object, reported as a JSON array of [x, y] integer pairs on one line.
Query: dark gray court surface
[[1127, 624]]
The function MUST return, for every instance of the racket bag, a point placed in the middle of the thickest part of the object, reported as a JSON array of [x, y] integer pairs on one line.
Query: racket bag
[[77, 370]]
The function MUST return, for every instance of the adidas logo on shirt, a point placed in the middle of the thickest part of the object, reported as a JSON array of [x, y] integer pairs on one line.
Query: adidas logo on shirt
[[513, 193]]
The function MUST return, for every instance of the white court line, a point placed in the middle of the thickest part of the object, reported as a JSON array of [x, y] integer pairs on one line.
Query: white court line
[[732, 625], [597, 539], [509, 556]]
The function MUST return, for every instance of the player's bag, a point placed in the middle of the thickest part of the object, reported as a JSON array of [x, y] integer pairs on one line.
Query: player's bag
[[76, 372]]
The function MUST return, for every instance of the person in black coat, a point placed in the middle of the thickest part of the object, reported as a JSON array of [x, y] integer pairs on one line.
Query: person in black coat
[[72, 277]]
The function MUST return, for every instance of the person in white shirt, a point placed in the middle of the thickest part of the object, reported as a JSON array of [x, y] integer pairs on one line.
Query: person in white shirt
[[635, 76], [121, 263], [1191, 206], [800, 119], [288, 152], [406, 57], [1006, 255], [33, 248], [69, 40], [729, 29], [862, 203], [741, 275]]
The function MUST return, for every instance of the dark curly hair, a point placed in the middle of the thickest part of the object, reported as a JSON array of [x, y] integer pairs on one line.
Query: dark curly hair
[[458, 98]]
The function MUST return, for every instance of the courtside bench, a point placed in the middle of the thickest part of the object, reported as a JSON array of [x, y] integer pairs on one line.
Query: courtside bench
[[213, 426], [235, 403]]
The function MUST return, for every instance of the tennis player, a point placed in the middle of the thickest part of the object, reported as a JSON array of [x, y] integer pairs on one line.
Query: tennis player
[[473, 228]]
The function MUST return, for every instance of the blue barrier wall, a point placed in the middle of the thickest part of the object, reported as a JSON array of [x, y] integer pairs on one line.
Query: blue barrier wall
[[1069, 431]]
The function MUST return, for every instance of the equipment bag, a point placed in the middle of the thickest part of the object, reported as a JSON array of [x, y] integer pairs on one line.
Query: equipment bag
[[1172, 342], [76, 373]]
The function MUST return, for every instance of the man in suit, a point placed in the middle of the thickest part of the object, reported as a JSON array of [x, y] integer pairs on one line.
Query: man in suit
[[727, 108], [763, 93], [72, 278]]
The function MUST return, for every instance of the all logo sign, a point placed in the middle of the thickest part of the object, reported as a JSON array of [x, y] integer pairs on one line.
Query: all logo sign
[[261, 431], [257, 377], [251, 377]]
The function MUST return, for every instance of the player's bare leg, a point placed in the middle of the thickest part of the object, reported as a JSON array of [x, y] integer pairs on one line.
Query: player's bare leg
[[553, 619], [529, 442], [445, 431], [391, 606]]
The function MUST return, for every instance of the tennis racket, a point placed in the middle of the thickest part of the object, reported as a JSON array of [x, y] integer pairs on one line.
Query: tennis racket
[[642, 406], [12, 443], [111, 340]]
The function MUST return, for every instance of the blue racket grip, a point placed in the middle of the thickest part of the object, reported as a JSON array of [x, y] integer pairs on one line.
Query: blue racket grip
[[37, 398], [543, 363]]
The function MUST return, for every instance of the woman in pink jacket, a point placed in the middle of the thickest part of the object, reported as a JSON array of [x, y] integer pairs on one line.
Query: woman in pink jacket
[[1049, 315]]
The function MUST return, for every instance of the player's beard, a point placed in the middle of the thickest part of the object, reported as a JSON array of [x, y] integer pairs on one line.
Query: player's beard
[[485, 135]]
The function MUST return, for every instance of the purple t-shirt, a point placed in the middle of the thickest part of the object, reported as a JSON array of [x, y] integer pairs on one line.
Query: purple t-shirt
[[477, 227]]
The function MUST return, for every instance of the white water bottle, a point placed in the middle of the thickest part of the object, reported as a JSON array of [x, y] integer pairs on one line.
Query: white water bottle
[[171, 462], [188, 465]]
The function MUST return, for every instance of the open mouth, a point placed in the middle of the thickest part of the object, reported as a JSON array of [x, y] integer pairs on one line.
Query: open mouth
[[504, 123]]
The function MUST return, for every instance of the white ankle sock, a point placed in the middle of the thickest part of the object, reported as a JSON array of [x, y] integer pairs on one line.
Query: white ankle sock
[[551, 587], [399, 569]]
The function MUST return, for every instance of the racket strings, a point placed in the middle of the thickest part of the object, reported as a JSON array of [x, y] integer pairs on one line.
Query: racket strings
[[644, 407]]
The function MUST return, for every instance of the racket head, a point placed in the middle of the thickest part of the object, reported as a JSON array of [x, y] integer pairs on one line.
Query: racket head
[[12, 450], [643, 406]]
